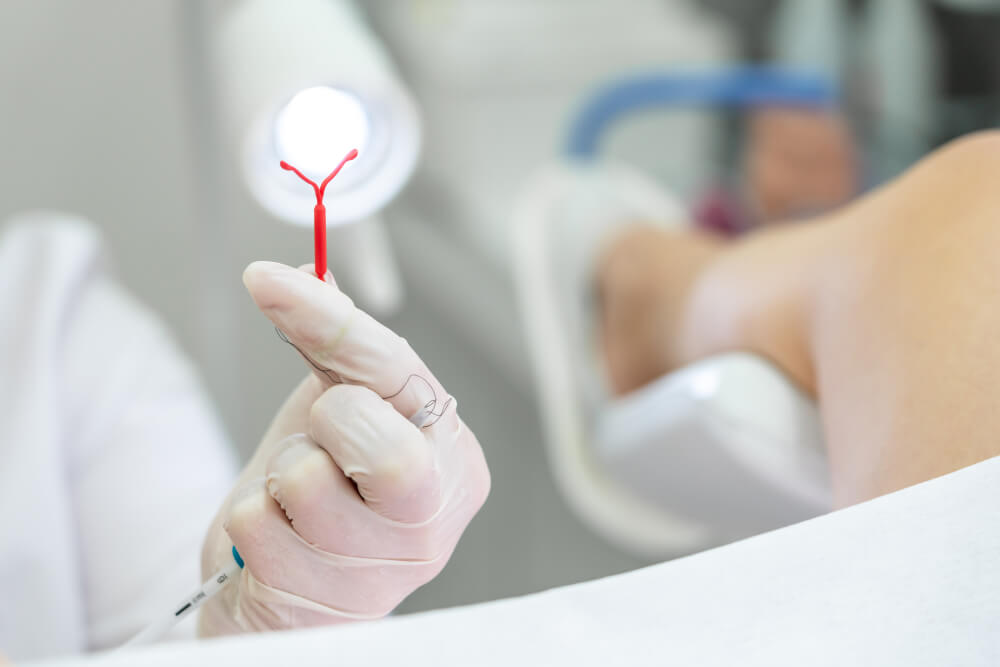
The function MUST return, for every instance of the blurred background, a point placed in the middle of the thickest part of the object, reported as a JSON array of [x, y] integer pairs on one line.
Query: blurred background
[[141, 117]]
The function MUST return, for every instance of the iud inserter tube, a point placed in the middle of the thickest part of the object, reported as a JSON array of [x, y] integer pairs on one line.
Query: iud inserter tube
[[319, 212], [158, 628]]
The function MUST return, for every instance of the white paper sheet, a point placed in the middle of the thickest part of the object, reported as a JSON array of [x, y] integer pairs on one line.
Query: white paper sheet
[[912, 578]]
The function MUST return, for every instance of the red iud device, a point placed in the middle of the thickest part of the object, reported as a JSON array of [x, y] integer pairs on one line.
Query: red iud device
[[319, 213]]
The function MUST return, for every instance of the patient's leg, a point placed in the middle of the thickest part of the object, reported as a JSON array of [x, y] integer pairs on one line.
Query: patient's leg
[[888, 311]]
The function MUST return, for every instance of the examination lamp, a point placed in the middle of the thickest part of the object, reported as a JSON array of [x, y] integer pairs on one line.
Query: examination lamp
[[304, 82]]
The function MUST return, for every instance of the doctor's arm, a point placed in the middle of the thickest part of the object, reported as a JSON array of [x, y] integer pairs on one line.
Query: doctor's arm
[[149, 463]]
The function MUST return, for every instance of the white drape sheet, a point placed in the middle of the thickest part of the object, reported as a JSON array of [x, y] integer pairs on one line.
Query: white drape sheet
[[912, 578]]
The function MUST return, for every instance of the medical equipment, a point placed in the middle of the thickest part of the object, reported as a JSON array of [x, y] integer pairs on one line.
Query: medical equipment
[[190, 603], [719, 450], [319, 211], [306, 81], [743, 87], [300, 83]]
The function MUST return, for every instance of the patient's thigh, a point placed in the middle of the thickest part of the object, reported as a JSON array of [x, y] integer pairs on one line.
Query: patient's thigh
[[904, 326]]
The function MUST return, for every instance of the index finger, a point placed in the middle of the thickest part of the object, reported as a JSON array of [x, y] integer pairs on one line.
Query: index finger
[[343, 343]]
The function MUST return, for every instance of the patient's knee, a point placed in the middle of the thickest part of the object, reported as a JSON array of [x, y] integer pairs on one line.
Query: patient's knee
[[952, 192], [972, 160], [976, 145]]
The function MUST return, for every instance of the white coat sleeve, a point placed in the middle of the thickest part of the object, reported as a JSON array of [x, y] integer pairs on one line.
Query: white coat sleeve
[[148, 466]]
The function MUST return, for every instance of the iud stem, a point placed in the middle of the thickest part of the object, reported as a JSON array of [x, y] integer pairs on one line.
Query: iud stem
[[319, 238]]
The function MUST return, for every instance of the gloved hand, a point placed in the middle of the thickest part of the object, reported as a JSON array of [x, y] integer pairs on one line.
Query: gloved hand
[[361, 487]]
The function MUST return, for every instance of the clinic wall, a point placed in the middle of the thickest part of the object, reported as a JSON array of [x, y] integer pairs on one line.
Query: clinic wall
[[91, 122]]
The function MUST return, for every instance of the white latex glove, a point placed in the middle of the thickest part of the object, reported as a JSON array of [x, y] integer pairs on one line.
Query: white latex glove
[[361, 487]]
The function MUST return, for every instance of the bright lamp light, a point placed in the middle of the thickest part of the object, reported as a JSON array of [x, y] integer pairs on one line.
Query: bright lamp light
[[306, 82], [319, 123]]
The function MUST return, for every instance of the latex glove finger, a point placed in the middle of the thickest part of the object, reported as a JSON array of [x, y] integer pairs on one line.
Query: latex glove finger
[[345, 344], [299, 574], [324, 508], [389, 458]]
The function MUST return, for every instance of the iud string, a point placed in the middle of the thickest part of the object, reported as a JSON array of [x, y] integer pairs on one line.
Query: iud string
[[428, 415], [319, 213]]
